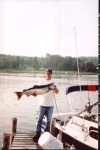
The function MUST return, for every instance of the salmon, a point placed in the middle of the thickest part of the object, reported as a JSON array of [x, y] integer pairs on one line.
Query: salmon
[[35, 90]]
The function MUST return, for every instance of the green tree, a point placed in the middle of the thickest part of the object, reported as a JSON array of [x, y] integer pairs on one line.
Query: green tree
[[90, 66]]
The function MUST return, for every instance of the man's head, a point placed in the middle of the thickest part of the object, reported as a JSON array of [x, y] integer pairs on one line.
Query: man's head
[[48, 73]]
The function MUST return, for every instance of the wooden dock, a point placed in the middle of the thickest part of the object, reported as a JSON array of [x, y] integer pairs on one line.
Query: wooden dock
[[24, 141], [19, 140]]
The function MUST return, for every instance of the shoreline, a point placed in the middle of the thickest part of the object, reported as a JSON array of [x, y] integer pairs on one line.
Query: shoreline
[[55, 72]]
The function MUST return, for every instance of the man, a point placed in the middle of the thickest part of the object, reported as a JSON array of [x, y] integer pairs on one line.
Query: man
[[46, 102]]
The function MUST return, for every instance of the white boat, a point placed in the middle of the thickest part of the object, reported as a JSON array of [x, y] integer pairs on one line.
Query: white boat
[[81, 129]]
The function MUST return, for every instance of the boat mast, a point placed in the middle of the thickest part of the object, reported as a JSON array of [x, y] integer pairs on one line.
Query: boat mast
[[76, 50], [77, 63]]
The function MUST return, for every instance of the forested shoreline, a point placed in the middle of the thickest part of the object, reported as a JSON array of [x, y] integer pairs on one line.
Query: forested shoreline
[[56, 62]]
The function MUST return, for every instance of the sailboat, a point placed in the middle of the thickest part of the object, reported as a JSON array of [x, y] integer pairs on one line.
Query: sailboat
[[80, 129]]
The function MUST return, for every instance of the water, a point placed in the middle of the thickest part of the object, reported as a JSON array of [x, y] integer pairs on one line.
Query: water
[[25, 110]]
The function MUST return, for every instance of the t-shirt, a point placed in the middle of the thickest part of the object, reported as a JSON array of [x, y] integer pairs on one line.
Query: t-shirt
[[48, 98]]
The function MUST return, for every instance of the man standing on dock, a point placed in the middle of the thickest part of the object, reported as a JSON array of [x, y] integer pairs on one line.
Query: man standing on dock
[[46, 102]]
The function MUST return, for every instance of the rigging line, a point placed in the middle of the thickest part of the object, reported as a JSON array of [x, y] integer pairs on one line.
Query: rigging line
[[76, 50], [79, 80], [70, 104], [78, 64], [87, 84], [56, 106], [58, 45]]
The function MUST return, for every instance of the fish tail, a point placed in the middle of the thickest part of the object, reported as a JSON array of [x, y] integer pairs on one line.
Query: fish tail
[[18, 94]]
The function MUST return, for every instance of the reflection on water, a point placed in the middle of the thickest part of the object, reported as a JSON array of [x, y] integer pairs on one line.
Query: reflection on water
[[25, 110]]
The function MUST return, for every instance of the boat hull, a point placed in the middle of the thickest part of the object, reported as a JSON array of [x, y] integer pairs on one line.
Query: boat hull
[[78, 145]]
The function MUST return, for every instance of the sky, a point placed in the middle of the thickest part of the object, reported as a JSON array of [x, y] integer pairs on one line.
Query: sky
[[58, 27]]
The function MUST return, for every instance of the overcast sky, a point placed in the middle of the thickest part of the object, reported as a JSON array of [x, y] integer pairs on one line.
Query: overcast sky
[[36, 27]]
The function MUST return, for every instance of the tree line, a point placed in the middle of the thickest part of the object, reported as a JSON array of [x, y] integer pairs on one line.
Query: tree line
[[56, 62]]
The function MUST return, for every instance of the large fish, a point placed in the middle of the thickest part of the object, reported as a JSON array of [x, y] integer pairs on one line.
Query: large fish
[[35, 90]]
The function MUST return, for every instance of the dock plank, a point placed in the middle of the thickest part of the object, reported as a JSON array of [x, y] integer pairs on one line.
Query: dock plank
[[25, 148], [24, 141]]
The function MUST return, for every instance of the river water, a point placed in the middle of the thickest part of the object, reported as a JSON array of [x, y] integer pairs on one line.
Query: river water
[[26, 109]]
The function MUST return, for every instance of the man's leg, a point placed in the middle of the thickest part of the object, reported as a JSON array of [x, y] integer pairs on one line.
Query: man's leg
[[49, 112], [38, 127]]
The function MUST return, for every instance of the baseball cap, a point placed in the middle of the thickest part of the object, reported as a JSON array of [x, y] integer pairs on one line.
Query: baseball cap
[[49, 70]]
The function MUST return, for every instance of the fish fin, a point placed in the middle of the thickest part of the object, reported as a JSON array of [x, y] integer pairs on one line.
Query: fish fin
[[35, 86], [18, 94], [34, 94], [24, 90], [27, 94]]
